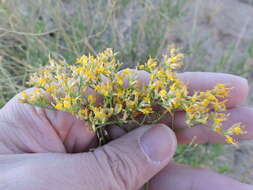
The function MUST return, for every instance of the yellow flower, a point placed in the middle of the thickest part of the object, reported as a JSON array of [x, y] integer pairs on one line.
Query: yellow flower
[[179, 95], [194, 98], [221, 86], [58, 106], [66, 104], [156, 85], [130, 104], [218, 118], [218, 129], [101, 69], [83, 113], [151, 64], [219, 106], [100, 114], [24, 95], [79, 70], [43, 81], [82, 60], [147, 99], [173, 59], [127, 71], [91, 99], [170, 77], [119, 80], [230, 140], [36, 90], [136, 93], [163, 93], [120, 92], [173, 86], [33, 99], [192, 109], [218, 121], [90, 75], [51, 88], [205, 102], [141, 67], [221, 91], [237, 129], [146, 110], [104, 89], [211, 97]]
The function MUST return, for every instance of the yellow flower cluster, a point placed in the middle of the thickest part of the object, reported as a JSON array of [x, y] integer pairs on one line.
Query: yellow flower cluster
[[95, 90]]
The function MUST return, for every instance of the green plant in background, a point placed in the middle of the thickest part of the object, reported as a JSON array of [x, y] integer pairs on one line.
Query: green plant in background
[[29, 33], [196, 155]]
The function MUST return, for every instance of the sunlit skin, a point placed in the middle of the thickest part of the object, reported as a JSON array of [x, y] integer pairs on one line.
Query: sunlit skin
[[26, 129]]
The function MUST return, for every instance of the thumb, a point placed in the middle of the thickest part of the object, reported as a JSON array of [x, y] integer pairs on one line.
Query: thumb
[[130, 161], [126, 164]]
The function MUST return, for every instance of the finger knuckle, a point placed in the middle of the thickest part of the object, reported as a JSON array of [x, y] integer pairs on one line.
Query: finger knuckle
[[120, 167]]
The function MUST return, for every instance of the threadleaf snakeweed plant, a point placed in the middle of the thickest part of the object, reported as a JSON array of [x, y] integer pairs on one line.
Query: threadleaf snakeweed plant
[[96, 91]]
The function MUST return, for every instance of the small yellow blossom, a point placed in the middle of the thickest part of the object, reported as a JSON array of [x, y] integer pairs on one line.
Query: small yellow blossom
[[205, 102], [173, 86], [163, 93], [221, 90], [120, 92], [120, 80], [36, 90], [83, 113], [218, 129], [79, 70], [146, 110], [147, 99], [230, 140], [24, 95], [104, 89], [58, 106], [141, 67], [151, 64], [100, 114], [128, 71], [66, 104], [91, 99], [101, 70], [82, 60], [130, 104], [43, 81], [51, 88], [237, 129]]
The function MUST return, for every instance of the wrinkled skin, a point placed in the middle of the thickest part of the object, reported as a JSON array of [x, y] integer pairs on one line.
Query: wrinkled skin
[[37, 146]]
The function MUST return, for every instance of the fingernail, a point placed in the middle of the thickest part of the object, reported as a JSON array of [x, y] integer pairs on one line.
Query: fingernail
[[158, 143]]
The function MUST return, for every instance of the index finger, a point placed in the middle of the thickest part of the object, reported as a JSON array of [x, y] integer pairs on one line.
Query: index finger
[[203, 81]]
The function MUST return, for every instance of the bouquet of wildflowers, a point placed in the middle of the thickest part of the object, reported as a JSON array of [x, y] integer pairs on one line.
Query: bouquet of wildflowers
[[96, 91]]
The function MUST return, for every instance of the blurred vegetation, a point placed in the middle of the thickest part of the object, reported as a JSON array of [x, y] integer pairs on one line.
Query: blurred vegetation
[[31, 30]]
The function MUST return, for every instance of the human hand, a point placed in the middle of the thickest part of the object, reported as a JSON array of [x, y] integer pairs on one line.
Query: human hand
[[180, 177], [124, 164], [38, 130]]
